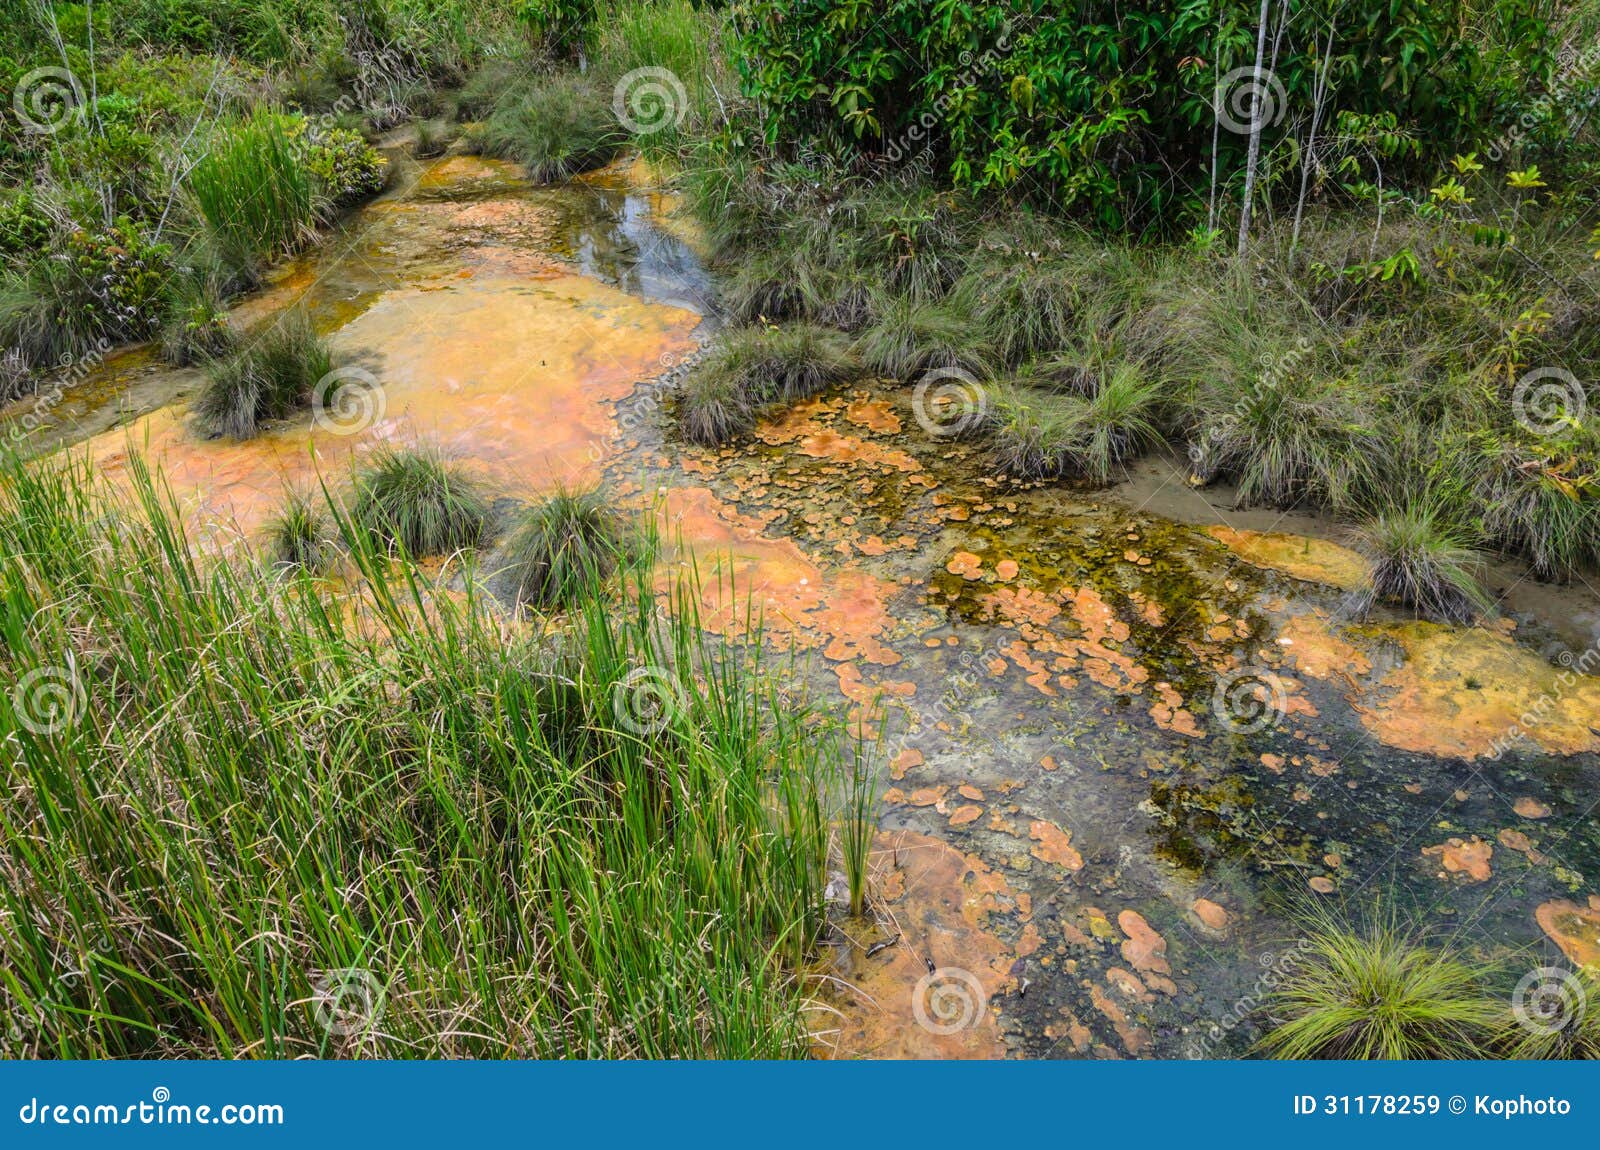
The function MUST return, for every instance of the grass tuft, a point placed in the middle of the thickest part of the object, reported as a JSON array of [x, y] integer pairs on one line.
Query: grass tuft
[[268, 379], [1422, 560], [556, 127], [300, 535], [1378, 994], [563, 547], [752, 367], [413, 499]]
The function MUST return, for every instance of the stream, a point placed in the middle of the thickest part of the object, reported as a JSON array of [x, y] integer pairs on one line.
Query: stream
[[1124, 751]]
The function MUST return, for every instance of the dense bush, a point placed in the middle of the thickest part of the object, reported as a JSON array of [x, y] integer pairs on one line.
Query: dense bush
[[1109, 107]]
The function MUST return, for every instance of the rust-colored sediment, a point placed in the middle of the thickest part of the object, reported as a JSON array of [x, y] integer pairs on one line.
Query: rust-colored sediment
[[1467, 692], [518, 378], [942, 902], [1574, 928], [1314, 560]]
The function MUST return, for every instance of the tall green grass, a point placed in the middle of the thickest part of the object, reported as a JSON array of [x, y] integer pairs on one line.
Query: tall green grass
[[256, 197], [262, 806]]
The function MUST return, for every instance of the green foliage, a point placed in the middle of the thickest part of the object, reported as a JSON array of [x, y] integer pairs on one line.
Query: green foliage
[[515, 846], [563, 547], [1108, 108], [345, 166], [268, 379], [556, 126], [257, 199], [411, 499], [99, 289], [1378, 993], [559, 27]]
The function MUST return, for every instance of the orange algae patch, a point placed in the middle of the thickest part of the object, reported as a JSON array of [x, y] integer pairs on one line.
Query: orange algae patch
[[943, 901], [1211, 916], [1054, 845], [874, 415], [494, 370], [1471, 692], [1313, 560], [1531, 808], [1468, 858], [746, 577], [1318, 652], [1574, 928], [1144, 948]]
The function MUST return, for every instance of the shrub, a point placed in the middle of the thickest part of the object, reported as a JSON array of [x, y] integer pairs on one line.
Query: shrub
[[563, 546], [1421, 559], [300, 536], [414, 500], [557, 127], [1108, 107], [1378, 994], [257, 198], [345, 166], [268, 379], [752, 367], [102, 288], [908, 337]]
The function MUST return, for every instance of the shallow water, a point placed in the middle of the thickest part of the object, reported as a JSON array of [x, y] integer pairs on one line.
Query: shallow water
[[1094, 717]]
